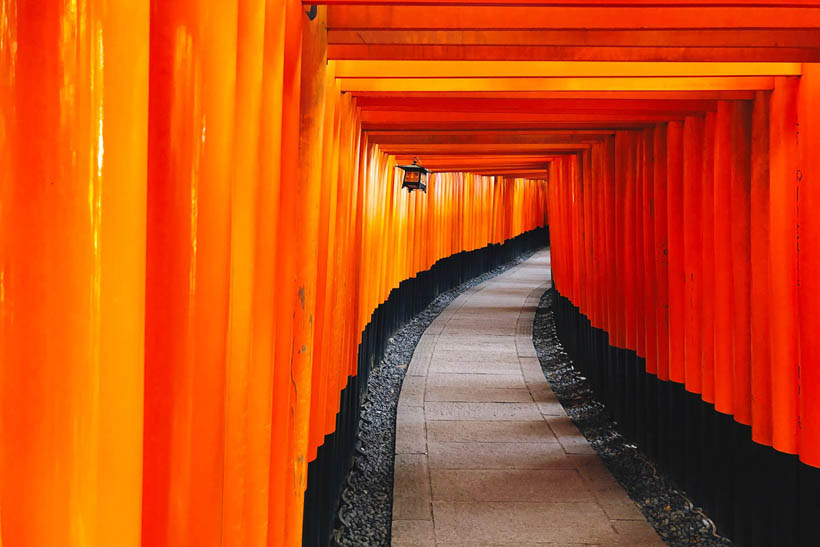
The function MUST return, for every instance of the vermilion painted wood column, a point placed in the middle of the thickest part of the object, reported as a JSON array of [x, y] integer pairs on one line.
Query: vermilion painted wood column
[[724, 373], [247, 380], [191, 127], [809, 264], [693, 245], [299, 217], [640, 268], [261, 366], [707, 261], [282, 488], [741, 258], [660, 200], [650, 310], [599, 228], [760, 282], [73, 147], [619, 338], [588, 234], [675, 223], [784, 172]]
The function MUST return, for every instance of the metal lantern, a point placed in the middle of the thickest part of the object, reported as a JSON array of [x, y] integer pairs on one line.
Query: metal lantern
[[415, 176]]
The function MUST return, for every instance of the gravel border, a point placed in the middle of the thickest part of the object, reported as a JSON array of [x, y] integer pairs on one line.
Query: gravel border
[[366, 509], [678, 522]]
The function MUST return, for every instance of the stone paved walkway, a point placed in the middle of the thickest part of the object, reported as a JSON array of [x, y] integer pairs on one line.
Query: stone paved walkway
[[485, 454]]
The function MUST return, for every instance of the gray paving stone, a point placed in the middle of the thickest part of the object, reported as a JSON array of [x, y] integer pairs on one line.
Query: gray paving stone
[[412, 391], [526, 350], [475, 381], [411, 488], [551, 485], [541, 393], [480, 411], [497, 431], [594, 472], [553, 408], [490, 354], [523, 330], [411, 438], [477, 394], [474, 367], [516, 522], [436, 328], [481, 330], [410, 415], [504, 343], [568, 435], [446, 455], [617, 505], [413, 532], [531, 369], [466, 341], [419, 365]]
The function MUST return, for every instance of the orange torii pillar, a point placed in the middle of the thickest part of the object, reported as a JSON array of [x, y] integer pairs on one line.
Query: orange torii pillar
[[73, 147], [809, 298]]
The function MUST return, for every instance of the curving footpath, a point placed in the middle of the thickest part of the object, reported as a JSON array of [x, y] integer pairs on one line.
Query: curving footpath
[[485, 454]]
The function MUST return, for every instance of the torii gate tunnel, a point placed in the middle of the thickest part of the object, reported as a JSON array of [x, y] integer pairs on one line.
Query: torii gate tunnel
[[204, 243]]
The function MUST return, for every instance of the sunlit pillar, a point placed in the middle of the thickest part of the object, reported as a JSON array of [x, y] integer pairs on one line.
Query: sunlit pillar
[[73, 139]]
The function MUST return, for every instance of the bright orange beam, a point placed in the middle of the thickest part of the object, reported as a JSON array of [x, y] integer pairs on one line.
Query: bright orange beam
[[471, 150], [512, 117], [593, 52], [554, 69], [508, 138], [580, 37], [452, 17], [563, 95], [744, 83]]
